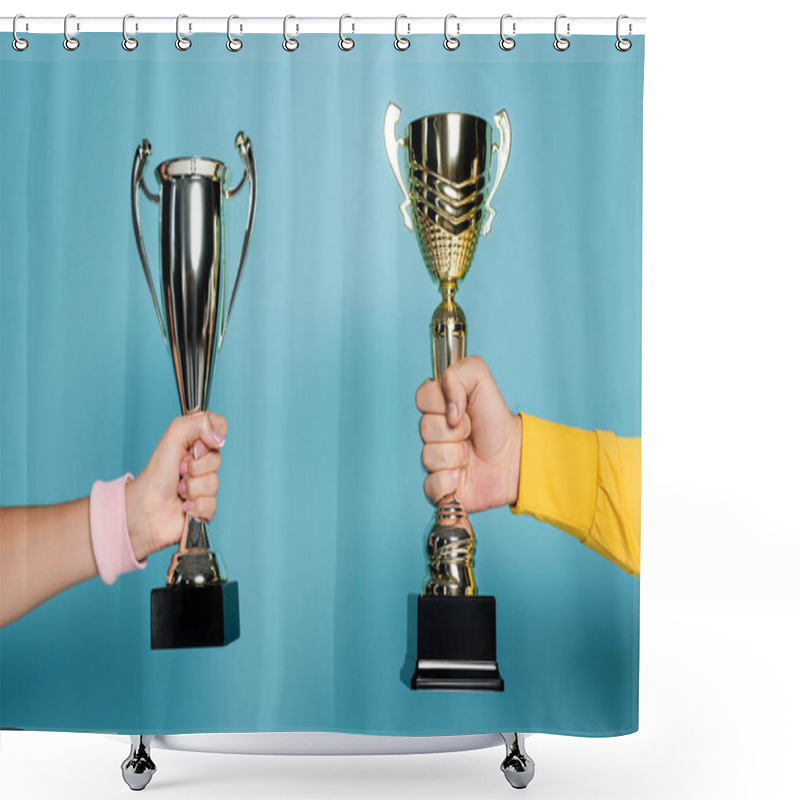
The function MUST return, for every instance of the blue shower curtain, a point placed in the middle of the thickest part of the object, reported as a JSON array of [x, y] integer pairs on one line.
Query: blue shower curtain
[[321, 516]]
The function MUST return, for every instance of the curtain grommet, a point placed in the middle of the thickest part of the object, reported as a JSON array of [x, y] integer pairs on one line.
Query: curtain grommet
[[129, 43], [561, 43], [345, 42], [233, 44], [18, 43], [71, 43], [451, 43], [183, 43], [289, 43], [507, 42], [401, 43]]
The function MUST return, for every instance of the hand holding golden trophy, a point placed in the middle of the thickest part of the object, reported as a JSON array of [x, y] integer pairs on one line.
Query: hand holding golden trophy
[[449, 163]]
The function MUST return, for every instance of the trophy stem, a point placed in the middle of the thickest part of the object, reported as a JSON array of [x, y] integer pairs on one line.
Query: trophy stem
[[196, 536], [451, 541], [448, 331], [194, 563], [451, 548]]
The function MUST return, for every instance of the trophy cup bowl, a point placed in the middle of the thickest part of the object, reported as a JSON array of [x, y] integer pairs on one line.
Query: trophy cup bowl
[[199, 606], [449, 158]]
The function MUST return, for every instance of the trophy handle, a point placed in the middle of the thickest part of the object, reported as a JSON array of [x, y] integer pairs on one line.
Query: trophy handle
[[393, 146], [245, 147], [502, 149], [137, 180]]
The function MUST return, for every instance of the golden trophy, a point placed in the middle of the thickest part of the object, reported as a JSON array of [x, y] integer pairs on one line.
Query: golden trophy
[[449, 159]]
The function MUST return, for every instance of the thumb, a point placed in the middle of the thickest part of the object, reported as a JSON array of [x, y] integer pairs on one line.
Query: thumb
[[459, 382], [208, 428]]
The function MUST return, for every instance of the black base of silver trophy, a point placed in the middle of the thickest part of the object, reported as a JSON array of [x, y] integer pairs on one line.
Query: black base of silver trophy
[[194, 616], [456, 644]]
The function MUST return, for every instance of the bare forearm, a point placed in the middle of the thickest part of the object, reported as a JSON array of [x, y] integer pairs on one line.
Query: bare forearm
[[43, 551], [47, 549]]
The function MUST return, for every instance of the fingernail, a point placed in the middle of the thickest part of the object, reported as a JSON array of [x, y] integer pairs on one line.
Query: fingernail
[[452, 410], [184, 467], [188, 505], [182, 487], [198, 450], [218, 438]]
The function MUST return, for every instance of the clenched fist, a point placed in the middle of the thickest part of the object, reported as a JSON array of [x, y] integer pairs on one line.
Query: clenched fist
[[180, 477], [471, 441]]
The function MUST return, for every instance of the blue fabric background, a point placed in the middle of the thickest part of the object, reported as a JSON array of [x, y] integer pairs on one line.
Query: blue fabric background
[[321, 513]]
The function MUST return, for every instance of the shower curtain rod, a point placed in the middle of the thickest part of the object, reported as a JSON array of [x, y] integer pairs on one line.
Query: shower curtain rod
[[512, 26]]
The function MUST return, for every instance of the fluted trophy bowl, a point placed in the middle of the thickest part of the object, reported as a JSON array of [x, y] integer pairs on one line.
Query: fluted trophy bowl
[[448, 170], [447, 204], [191, 196], [192, 270]]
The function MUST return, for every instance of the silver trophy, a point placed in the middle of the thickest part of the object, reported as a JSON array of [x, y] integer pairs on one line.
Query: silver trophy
[[199, 607], [448, 169]]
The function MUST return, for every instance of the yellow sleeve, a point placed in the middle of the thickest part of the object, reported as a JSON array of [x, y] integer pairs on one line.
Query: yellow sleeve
[[587, 483]]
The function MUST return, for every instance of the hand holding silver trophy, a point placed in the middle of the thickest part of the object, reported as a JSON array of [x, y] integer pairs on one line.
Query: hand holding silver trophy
[[198, 607], [449, 159]]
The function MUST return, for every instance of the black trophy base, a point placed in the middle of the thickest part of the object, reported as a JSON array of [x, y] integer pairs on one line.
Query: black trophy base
[[194, 616], [456, 644]]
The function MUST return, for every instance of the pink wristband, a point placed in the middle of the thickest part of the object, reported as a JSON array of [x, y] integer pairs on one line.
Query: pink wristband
[[111, 542]]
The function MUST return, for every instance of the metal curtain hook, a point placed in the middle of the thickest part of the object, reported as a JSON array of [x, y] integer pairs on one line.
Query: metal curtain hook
[[400, 42], [451, 42], [233, 44], [560, 43], [623, 45], [345, 42], [289, 44], [18, 43], [507, 42], [70, 42], [128, 42], [181, 42]]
